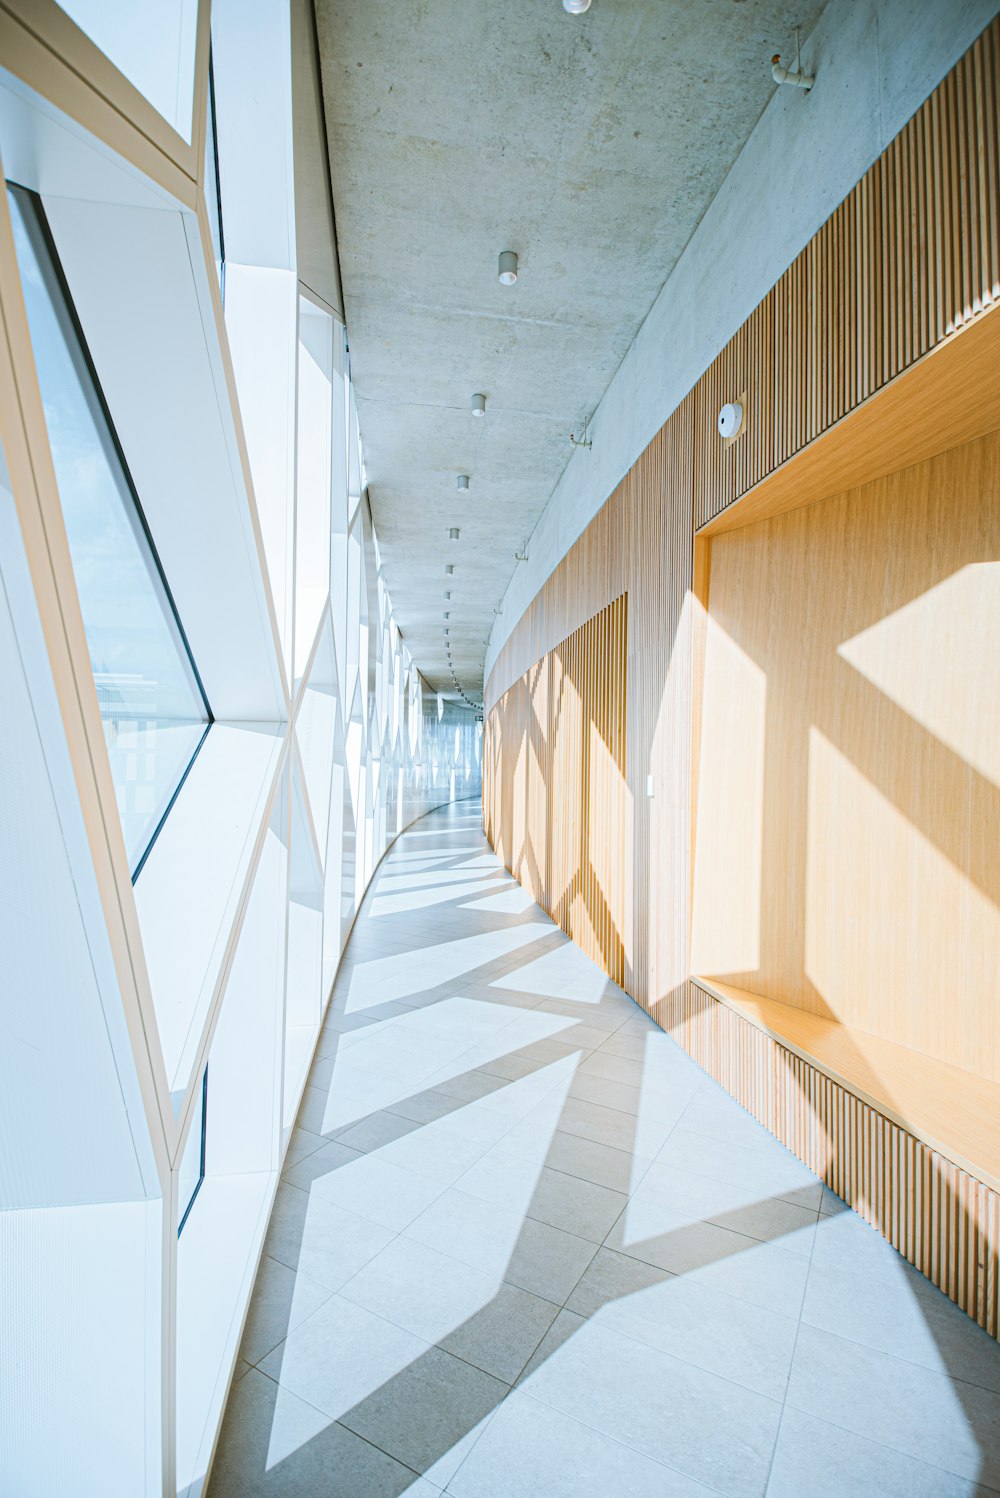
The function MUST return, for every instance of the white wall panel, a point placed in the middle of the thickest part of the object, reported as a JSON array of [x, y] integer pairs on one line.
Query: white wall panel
[[146, 314]]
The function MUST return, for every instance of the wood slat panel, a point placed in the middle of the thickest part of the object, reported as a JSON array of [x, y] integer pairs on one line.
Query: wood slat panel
[[555, 795], [743, 372], [940, 1217]]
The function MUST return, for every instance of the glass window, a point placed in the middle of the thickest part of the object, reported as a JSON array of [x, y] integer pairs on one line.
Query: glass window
[[192, 1167], [152, 706], [213, 189], [152, 42]]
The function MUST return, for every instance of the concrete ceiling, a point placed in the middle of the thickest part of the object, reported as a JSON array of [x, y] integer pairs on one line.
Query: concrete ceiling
[[592, 145]]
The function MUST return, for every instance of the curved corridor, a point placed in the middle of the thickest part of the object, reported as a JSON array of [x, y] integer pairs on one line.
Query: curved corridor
[[524, 1246]]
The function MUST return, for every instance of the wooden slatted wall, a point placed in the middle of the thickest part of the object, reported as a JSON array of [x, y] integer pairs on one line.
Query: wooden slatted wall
[[908, 261], [640, 544], [555, 796], [937, 1215]]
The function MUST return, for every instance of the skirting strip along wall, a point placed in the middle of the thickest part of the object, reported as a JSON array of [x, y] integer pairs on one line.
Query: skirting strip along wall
[[940, 1218], [909, 261]]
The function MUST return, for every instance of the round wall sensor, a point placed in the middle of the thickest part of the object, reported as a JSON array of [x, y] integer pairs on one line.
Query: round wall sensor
[[730, 420]]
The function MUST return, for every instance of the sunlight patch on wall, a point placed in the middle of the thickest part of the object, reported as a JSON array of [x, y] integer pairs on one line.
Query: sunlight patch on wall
[[937, 659], [892, 926], [727, 882]]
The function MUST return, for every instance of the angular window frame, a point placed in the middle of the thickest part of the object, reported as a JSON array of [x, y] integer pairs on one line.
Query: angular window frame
[[43, 246]]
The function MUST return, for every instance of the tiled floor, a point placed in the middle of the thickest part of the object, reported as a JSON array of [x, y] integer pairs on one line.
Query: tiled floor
[[523, 1247]]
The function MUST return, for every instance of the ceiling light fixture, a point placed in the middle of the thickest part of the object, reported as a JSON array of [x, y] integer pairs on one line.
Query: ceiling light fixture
[[447, 592], [507, 268], [453, 533], [478, 405], [463, 483], [576, 7], [449, 568]]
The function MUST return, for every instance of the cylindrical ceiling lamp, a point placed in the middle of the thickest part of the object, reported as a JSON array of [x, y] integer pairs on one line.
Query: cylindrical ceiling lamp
[[507, 268], [478, 405], [453, 533], [462, 483]]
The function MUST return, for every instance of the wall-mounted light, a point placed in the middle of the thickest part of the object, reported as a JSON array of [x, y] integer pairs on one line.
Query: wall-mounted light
[[730, 420], [478, 405], [507, 268], [462, 483], [453, 533]]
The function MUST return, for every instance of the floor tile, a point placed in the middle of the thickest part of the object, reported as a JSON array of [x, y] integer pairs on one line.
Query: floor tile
[[732, 1262], [435, 1296], [817, 1458], [321, 1240], [274, 1445], [606, 1166], [532, 1255], [373, 1188], [552, 1196], [340, 1355], [282, 1300], [690, 1320], [767, 1167], [734, 1205], [906, 1317], [565, 1325], [529, 1449], [300, 1144], [376, 1130], [318, 1163], [707, 1427], [603, 1125], [423, 1414], [926, 1415], [504, 1334]]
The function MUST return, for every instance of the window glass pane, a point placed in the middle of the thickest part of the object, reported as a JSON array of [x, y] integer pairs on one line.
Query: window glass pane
[[192, 1167], [152, 42], [213, 196], [153, 711]]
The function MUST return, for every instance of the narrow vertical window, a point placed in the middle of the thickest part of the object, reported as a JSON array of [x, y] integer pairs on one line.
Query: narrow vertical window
[[192, 1171], [213, 185]]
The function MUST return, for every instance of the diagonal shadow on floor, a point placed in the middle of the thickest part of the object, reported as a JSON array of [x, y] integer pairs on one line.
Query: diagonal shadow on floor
[[618, 1291]]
